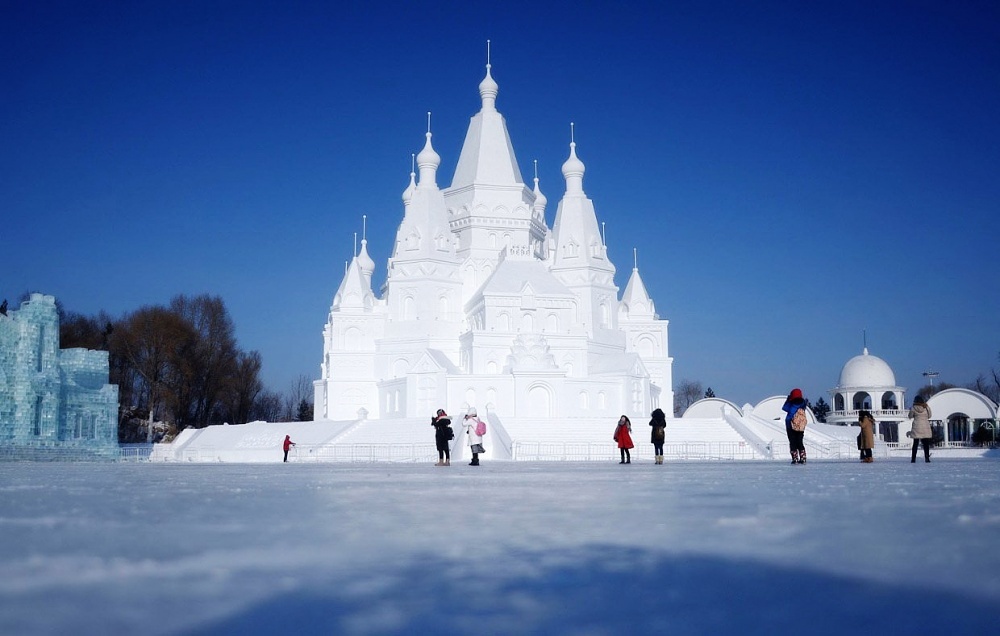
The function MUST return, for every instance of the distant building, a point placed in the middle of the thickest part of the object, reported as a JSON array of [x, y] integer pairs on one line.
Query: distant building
[[867, 383], [485, 305], [54, 403]]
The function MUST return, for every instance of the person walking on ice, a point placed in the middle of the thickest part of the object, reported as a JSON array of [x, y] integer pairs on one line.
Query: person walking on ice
[[921, 431], [442, 437], [795, 425], [287, 445], [475, 428], [624, 438], [659, 433]]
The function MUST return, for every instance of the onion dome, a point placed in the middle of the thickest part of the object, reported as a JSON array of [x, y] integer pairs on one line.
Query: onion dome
[[488, 90], [573, 170]]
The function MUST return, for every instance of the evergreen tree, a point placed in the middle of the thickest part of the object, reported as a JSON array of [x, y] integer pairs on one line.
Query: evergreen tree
[[821, 410], [709, 393]]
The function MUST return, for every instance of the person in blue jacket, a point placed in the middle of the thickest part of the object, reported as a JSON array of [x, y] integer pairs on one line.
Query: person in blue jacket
[[792, 404]]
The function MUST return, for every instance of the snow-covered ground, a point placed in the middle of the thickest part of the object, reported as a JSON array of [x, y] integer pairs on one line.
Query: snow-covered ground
[[510, 547]]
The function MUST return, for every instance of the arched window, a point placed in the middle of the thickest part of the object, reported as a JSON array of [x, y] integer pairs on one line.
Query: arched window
[[552, 323], [399, 367], [889, 401], [527, 323], [408, 308], [862, 401], [584, 401], [352, 339]]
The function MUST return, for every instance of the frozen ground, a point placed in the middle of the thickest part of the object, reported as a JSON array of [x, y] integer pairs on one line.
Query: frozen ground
[[585, 548]]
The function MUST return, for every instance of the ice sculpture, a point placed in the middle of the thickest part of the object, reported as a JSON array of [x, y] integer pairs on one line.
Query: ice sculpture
[[55, 404]]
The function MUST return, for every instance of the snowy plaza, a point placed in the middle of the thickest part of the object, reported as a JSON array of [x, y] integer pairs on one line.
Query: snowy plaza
[[831, 547]]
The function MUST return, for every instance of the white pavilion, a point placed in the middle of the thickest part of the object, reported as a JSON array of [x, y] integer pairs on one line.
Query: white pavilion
[[484, 305]]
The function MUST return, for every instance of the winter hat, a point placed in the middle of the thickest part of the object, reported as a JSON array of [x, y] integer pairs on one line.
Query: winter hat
[[472, 412], [918, 400], [796, 394], [441, 412]]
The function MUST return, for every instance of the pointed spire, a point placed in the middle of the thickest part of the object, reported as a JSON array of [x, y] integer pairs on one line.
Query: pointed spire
[[428, 160], [365, 261], [488, 88], [540, 199], [573, 168], [635, 298], [408, 192]]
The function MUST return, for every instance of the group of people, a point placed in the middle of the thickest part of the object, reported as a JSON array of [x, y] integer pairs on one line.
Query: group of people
[[795, 426], [623, 436], [474, 427]]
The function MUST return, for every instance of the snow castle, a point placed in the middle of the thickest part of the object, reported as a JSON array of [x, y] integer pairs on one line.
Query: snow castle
[[485, 305]]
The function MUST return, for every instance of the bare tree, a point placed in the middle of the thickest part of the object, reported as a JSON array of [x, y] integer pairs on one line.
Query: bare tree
[[688, 392], [208, 360], [150, 340], [244, 386], [300, 390], [268, 406]]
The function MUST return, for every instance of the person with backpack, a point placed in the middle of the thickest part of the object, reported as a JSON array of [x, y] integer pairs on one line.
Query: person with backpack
[[795, 425], [442, 437], [475, 428], [659, 433], [866, 438], [624, 438]]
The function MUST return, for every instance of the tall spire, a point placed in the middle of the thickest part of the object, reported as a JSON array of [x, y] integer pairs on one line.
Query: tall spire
[[540, 199], [428, 161], [408, 192], [573, 168], [488, 88], [487, 155], [365, 261]]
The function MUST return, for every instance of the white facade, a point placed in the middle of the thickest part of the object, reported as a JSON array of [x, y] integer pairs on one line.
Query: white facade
[[867, 383], [485, 305]]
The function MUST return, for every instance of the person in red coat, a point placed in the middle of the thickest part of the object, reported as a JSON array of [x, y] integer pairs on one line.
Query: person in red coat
[[624, 438], [288, 444]]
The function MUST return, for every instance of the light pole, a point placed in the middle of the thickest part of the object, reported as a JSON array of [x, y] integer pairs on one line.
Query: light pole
[[931, 375]]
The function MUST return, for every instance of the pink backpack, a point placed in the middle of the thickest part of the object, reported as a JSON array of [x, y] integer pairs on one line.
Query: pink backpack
[[480, 427]]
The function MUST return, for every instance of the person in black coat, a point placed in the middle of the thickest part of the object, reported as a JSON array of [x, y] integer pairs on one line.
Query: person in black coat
[[442, 437], [658, 434]]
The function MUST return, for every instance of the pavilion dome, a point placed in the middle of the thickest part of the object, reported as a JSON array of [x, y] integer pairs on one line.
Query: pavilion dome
[[867, 371]]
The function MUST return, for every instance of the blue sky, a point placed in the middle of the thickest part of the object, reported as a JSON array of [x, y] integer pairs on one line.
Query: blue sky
[[791, 173]]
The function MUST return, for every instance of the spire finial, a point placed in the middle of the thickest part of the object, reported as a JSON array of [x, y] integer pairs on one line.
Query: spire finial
[[864, 336], [487, 52], [364, 226], [355, 244], [428, 160], [635, 258], [536, 169], [413, 163], [604, 236], [573, 168]]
